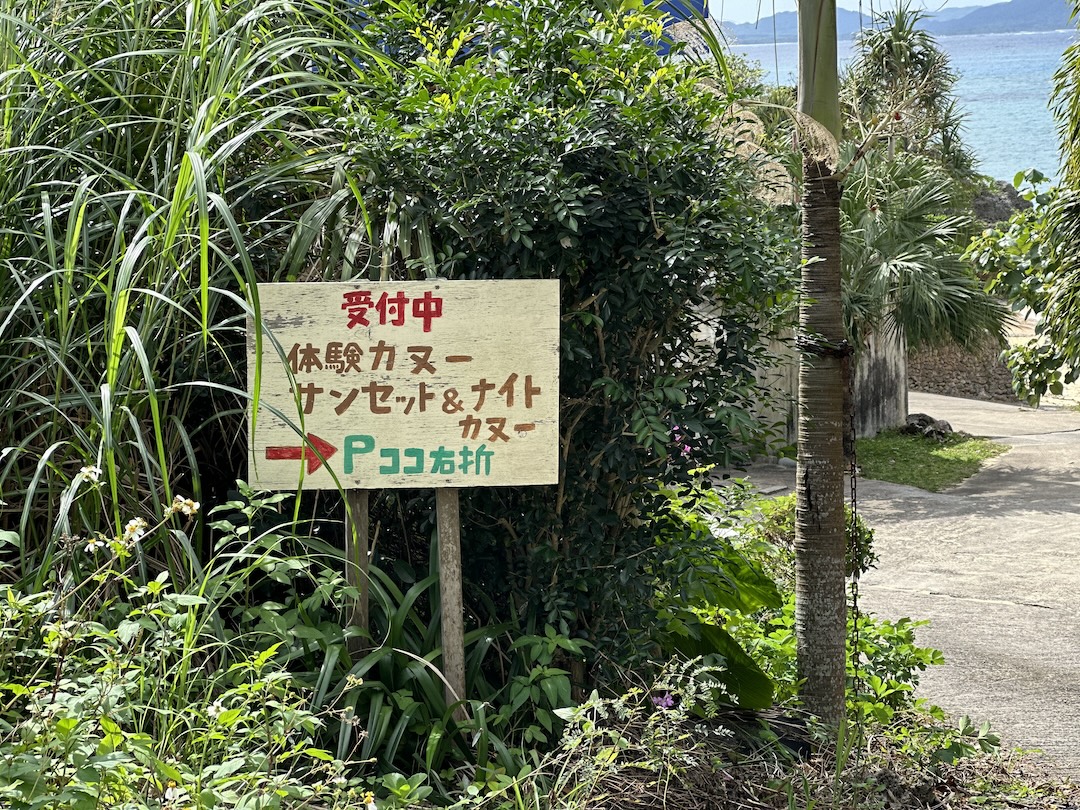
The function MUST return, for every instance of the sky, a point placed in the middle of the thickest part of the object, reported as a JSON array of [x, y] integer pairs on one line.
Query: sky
[[741, 11]]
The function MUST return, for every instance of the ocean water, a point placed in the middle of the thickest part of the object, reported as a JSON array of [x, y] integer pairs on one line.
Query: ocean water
[[1005, 86]]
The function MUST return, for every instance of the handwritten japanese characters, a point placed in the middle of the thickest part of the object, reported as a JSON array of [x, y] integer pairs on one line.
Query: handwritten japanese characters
[[406, 384]]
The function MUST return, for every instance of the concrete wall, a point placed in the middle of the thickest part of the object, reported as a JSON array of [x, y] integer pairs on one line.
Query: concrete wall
[[881, 385], [779, 408], [880, 388]]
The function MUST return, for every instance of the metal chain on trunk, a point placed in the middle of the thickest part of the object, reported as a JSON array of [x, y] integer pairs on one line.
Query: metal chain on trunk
[[856, 554]]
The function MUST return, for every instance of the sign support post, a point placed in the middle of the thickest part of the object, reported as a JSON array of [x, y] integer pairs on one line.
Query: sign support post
[[452, 612]]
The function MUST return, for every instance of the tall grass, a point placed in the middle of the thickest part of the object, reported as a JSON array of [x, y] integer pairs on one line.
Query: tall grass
[[155, 156]]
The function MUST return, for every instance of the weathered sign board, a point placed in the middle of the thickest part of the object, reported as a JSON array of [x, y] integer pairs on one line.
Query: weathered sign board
[[406, 384]]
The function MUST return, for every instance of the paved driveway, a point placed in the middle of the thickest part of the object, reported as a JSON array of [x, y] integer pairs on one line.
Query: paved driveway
[[995, 565]]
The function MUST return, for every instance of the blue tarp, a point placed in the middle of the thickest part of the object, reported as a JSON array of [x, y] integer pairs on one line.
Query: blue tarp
[[683, 10]]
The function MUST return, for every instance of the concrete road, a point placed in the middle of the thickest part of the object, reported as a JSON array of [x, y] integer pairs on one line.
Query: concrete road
[[994, 563]]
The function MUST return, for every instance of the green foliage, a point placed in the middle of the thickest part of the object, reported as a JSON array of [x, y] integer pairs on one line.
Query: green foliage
[[670, 746], [904, 272], [1023, 263], [924, 462], [125, 694], [150, 158], [882, 658], [967, 740], [907, 178], [163, 158], [888, 665], [701, 571], [1017, 260], [1037, 259], [671, 742], [538, 139], [899, 90], [767, 535], [239, 687], [889, 659], [404, 791], [388, 699]]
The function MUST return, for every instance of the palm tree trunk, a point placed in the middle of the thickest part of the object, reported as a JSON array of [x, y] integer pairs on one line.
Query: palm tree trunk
[[820, 599]]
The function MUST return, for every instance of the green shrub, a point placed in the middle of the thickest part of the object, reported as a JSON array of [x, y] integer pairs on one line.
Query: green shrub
[[551, 140], [767, 534], [671, 742], [883, 660], [163, 158], [384, 688], [701, 572], [133, 700], [1024, 263]]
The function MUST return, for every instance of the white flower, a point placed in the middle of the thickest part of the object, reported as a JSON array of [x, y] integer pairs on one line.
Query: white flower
[[215, 709], [185, 505], [174, 794], [134, 530], [91, 474], [94, 545]]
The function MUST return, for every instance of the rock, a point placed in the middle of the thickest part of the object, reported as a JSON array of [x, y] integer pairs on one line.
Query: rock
[[939, 430], [921, 424], [917, 423], [999, 203]]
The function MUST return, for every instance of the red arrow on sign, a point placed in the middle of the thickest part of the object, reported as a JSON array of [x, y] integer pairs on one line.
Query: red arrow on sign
[[297, 453]]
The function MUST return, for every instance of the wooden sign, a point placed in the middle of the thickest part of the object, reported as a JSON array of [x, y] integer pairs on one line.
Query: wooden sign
[[406, 384]]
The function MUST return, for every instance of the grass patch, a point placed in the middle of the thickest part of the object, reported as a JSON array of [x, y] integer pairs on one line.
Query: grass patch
[[927, 463]]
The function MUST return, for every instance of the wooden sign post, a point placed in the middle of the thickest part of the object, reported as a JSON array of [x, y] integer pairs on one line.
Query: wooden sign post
[[407, 384]]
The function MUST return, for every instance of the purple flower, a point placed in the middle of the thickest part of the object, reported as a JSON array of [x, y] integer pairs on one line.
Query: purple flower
[[681, 441], [664, 701]]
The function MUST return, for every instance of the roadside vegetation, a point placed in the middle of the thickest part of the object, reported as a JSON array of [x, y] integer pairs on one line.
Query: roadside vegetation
[[933, 464], [171, 639]]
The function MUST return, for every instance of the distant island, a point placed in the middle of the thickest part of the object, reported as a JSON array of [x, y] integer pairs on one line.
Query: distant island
[[1000, 18]]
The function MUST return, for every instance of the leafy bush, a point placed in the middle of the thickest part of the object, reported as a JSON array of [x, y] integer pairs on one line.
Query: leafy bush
[[163, 158], [1022, 265], [129, 695], [767, 534], [702, 572], [883, 660], [543, 139], [237, 687], [384, 688], [889, 660], [671, 742]]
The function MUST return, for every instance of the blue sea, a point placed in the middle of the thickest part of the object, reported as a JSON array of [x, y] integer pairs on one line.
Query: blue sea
[[1005, 85]]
